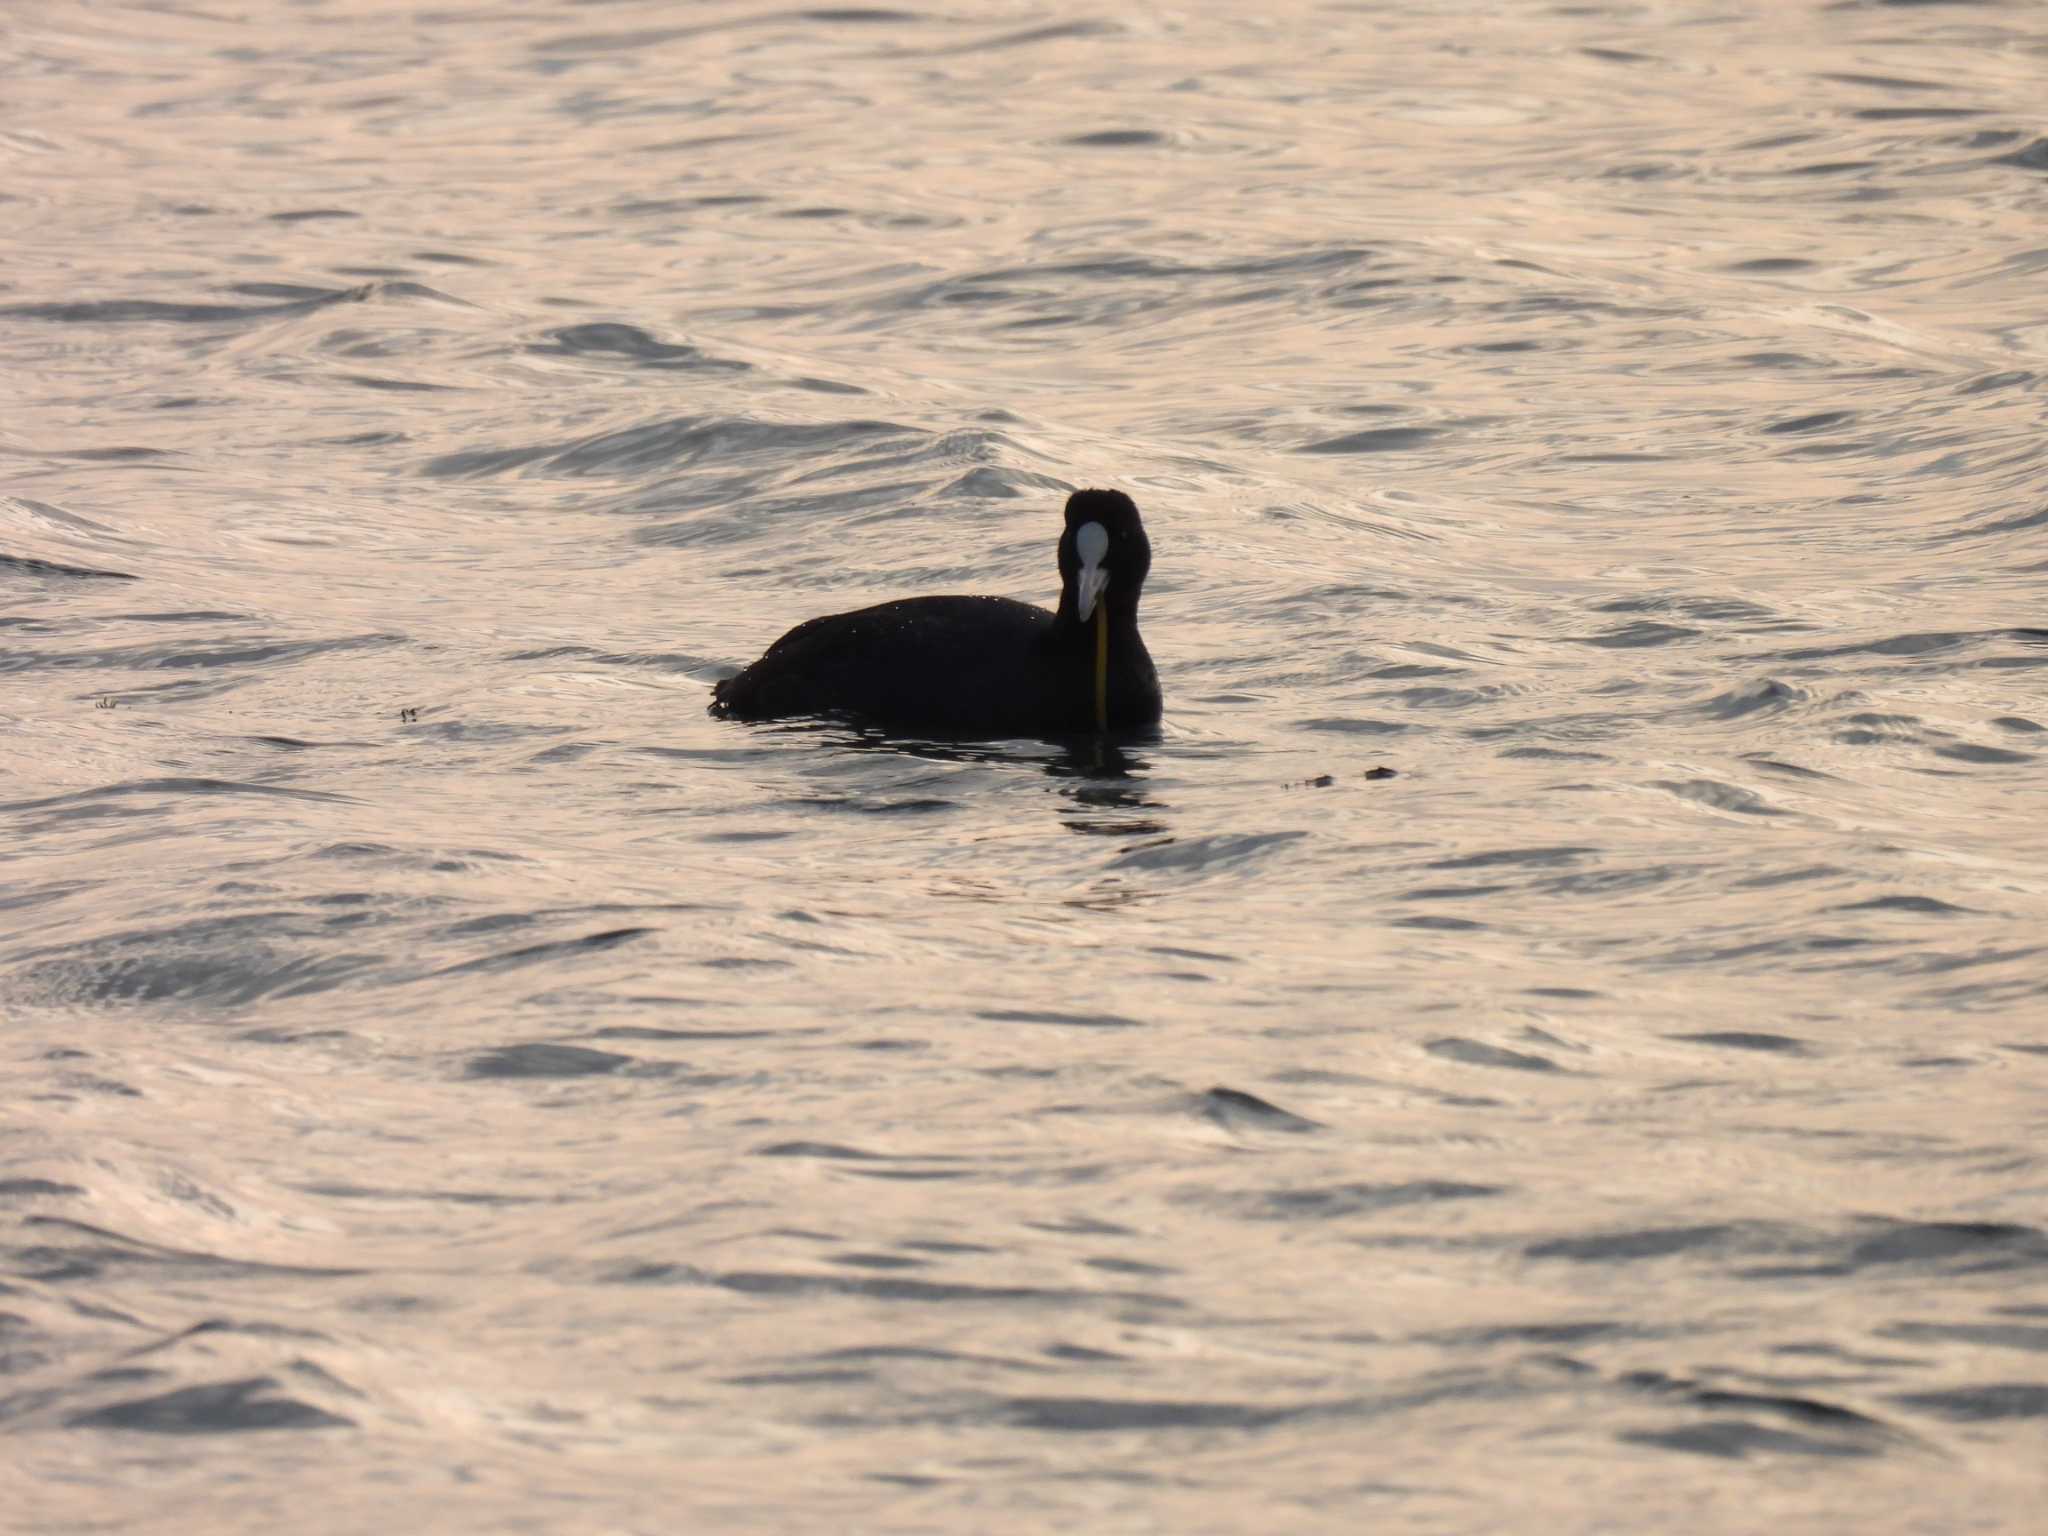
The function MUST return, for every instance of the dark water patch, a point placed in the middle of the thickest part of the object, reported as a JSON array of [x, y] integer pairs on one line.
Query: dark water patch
[[628, 342], [556, 949], [1981, 1405], [1819, 421], [1118, 138], [480, 1197], [1767, 264], [995, 482], [2033, 158], [1737, 1439], [1408, 669], [1927, 906], [1835, 1353], [1445, 698], [1776, 360], [1476, 1053], [1335, 1202], [1720, 797], [1969, 752], [925, 1354], [677, 442], [1947, 1247], [1637, 636], [840, 1376], [1377, 440], [1927, 643], [2032, 1338], [2009, 378], [1231, 1107], [114, 455], [148, 311], [26, 565], [1705, 610], [1607, 882], [311, 215], [186, 616], [1794, 945], [1437, 922], [1911, 114], [1551, 1335], [225, 962], [195, 787], [396, 386], [824, 1151], [653, 1032], [855, 15], [1534, 858], [1633, 1247], [1886, 82], [67, 1250], [1789, 770], [1748, 1040], [1767, 696], [911, 1175], [1450, 892], [228, 1407], [2019, 724], [106, 1087], [36, 1189], [1352, 725], [1031, 37], [541, 1058], [217, 1326], [1049, 1016], [1220, 851], [781, 1283], [169, 658], [1104, 1415], [1967, 1247], [1810, 1412], [1083, 1355], [923, 806], [1866, 730]]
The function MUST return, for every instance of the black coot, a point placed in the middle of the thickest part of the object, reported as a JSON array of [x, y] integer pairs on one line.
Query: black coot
[[980, 666]]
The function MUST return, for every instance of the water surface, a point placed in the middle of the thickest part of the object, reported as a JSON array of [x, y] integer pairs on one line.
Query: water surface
[[1553, 1034]]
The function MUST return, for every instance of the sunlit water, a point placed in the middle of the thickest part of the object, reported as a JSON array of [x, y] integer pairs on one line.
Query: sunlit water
[[558, 1110]]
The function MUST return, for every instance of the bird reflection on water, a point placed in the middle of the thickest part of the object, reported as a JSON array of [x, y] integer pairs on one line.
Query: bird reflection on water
[[1105, 781]]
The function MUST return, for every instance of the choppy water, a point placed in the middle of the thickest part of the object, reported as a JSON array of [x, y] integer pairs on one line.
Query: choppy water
[[561, 1111]]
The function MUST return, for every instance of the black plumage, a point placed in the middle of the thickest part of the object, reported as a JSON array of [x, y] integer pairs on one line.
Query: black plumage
[[980, 666]]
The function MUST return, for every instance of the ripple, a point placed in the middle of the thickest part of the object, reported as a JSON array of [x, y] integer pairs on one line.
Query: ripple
[[220, 1408]]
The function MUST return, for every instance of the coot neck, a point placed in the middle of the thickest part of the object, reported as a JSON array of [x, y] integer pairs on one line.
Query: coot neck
[[1123, 614]]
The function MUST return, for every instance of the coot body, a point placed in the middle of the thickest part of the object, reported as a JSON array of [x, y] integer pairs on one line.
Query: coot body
[[980, 666]]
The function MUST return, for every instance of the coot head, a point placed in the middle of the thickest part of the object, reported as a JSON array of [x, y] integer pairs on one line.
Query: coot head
[[1104, 557]]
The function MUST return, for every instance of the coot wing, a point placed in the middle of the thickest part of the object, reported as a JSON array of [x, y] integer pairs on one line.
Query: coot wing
[[961, 665]]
